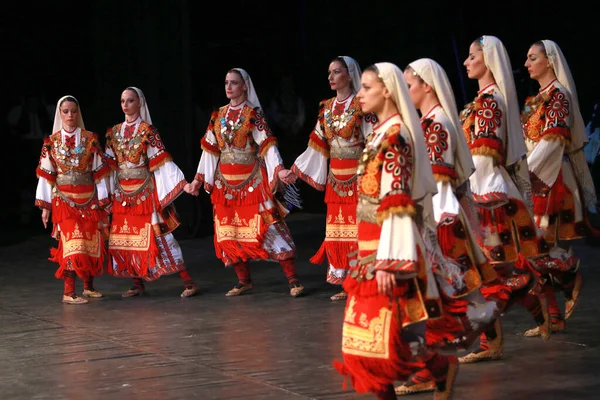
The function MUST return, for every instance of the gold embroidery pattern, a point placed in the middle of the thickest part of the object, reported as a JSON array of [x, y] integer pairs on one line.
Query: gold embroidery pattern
[[369, 338], [78, 244], [238, 229], [125, 240]]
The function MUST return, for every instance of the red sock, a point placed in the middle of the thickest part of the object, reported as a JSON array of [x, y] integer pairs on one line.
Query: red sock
[[555, 313], [138, 283], [69, 278], [187, 279], [242, 271], [289, 269], [438, 366], [388, 394], [88, 283]]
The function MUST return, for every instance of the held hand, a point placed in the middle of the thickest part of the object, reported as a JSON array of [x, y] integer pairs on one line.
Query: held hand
[[193, 188], [386, 281], [287, 176], [45, 217]]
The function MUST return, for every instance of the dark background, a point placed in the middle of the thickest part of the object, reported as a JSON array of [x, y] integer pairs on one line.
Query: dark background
[[178, 52]]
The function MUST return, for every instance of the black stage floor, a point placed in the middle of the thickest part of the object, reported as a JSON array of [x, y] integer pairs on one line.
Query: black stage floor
[[264, 345]]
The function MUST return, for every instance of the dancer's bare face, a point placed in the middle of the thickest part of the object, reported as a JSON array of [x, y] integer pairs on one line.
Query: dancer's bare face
[[130, 102], [475, 63], [235, 87], [372, 93], [68, 113]]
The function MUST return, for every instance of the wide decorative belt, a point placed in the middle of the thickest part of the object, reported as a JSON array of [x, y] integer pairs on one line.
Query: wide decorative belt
[[231, 157], [353, 152], [366, 210], [74, 179], [133, 173]]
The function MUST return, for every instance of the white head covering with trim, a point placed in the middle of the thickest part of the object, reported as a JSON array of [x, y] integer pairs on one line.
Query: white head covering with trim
[[435, 76], [57, 126], [497, 61], [354, 71], [393, 79], [579, 137], [144, 111], [251, 94]]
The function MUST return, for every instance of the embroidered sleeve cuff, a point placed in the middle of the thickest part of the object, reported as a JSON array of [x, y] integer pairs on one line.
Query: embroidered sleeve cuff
[[399, 266], [43, 204], [395, 204], [306, 178], [173, 194]]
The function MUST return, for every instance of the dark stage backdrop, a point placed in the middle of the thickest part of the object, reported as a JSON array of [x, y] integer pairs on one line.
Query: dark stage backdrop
[[178, 52]]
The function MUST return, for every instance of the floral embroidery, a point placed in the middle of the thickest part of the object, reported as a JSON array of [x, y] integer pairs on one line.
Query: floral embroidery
[[557, 109], [436, 139], [154, 140], [398, 161], [489, 116]]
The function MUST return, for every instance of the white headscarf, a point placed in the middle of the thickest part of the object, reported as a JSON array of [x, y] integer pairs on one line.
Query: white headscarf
[[144, 111], [252, 96], [57, 126], [393, 79], [497, 61], [435, 76], [354, 71], [579, 137]]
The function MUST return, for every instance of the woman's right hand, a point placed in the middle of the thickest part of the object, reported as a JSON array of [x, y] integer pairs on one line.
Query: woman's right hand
[[45, 217]]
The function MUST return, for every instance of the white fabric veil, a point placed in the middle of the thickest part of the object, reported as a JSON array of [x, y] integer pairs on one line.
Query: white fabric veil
[[393, 79], [496, 59], [252, 96], [435, 76], [354, 71], [579, 137], [57, 126], [144, 111]]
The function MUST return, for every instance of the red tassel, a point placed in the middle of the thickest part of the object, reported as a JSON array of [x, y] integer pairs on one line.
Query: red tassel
[[336, 253], [446, 238]]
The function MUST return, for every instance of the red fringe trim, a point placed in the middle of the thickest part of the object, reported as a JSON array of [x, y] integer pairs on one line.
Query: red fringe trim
[[491, 218], [444, 170], [307, 178], [318, 144], [446, 238], [134, 263], [374, 374], [233, 252], [557, 133], [399, 204], [83, 265], [336, 253], [553, 203], [332, 197], [43, 174], [158, 161], [144, 208], [211, 148], [488, 147], [266, 145]]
